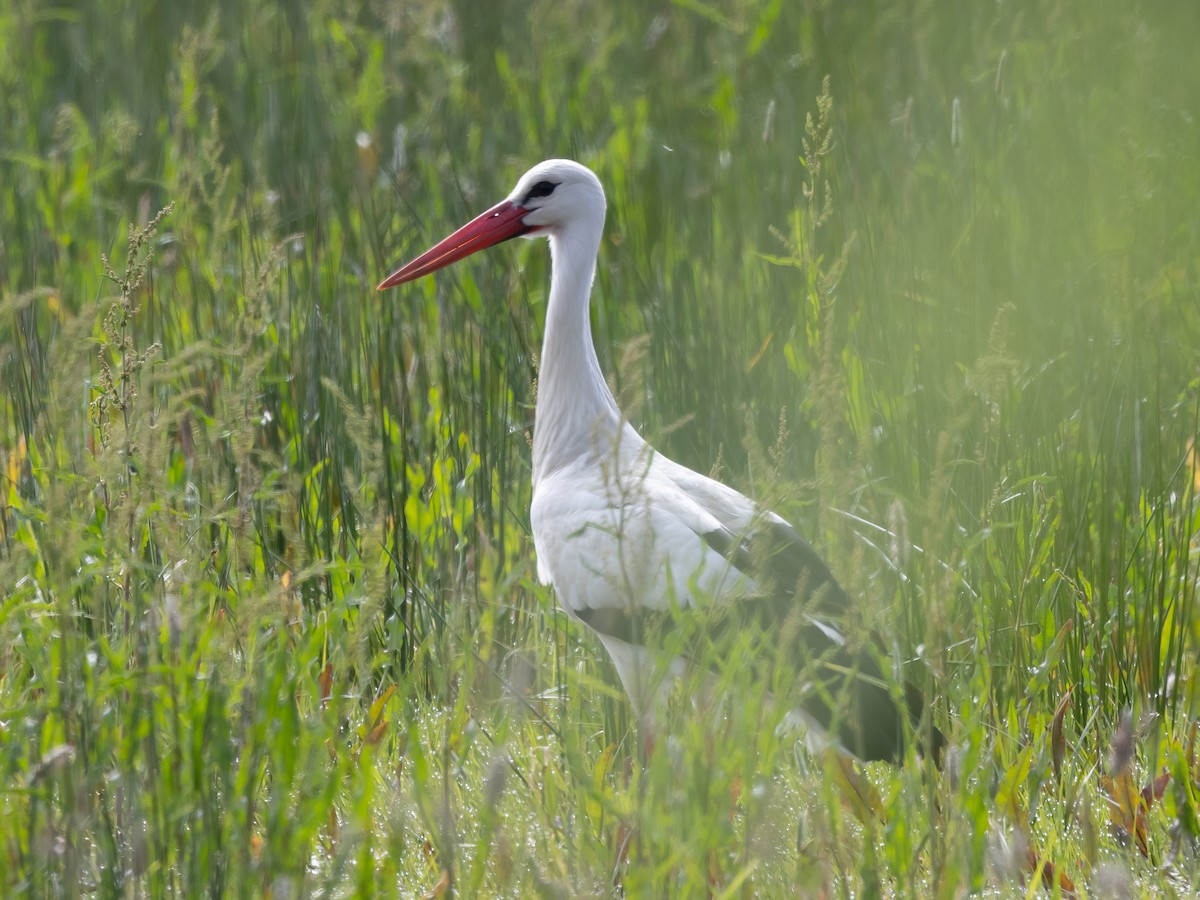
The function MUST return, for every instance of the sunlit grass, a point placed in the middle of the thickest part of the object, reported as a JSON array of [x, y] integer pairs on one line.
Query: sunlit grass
[[269, 620]]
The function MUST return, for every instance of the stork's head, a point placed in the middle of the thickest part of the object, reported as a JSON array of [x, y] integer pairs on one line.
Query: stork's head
[[550, 199], [557, 193]]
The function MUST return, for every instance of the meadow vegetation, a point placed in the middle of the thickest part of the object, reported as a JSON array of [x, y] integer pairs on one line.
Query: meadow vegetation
[[923, 277]]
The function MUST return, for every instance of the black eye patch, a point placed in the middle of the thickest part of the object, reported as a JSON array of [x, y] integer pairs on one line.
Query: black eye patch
[[541, 189]]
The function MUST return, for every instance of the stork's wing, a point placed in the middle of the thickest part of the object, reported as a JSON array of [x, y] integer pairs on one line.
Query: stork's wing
[[843, 688], [629, 554], [768, 549]]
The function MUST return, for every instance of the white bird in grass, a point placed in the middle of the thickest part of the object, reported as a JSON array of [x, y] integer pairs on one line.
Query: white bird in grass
[[632, 541]]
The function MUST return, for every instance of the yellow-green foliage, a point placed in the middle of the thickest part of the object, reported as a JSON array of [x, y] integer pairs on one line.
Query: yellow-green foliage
[[923, 277]]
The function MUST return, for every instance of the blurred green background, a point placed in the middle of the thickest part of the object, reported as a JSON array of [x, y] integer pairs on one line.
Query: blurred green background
[[269, 618]]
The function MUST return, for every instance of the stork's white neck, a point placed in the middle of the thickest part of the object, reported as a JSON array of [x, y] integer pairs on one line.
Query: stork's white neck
[[576, 413]]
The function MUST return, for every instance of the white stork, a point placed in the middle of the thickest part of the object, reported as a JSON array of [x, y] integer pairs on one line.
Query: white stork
[[630, 539]]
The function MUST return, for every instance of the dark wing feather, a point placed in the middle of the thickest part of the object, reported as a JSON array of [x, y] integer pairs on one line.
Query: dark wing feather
[[796, 581], [798, 605]]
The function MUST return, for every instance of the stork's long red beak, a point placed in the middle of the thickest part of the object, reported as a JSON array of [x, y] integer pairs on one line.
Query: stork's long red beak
[[501, 222]]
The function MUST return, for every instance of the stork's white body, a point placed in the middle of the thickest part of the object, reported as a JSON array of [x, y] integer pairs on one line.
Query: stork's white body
[[620, 529]]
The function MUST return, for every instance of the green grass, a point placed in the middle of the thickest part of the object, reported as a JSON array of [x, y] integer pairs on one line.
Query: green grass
[[269, 616]]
